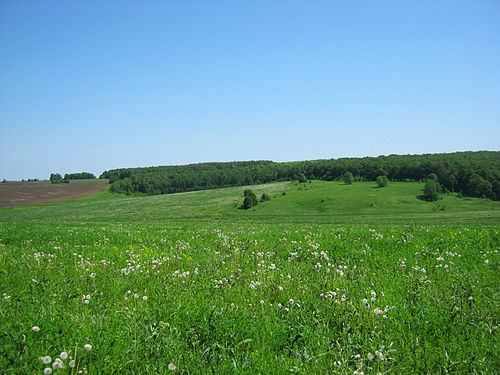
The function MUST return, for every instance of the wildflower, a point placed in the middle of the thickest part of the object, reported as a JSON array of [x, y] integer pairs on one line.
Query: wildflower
[[86, 301], [145, 298], [280, 288], [63, 356], [47, 371], [71, 363], [370, 356], [171, 366], [261, 302], [46, 360], [357, 356], [136, 296], [291, 301], [87, 347], [487, 261], [35, 329], [380, 355], [280, 305], [57, 364]]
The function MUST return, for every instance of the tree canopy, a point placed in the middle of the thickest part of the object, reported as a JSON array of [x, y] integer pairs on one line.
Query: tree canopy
[[454, 172]]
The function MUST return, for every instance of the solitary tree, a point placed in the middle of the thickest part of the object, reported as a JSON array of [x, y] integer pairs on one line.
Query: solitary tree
[[265, 197], [430, 191], [348, 178], [382, 181]]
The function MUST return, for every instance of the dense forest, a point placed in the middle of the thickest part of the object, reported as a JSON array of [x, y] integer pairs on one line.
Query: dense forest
[[475, 174]]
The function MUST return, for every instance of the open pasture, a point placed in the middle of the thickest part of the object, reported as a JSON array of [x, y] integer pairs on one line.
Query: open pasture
[[199, 297]]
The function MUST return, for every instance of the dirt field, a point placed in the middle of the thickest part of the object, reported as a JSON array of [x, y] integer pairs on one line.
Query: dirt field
[[28, 193]]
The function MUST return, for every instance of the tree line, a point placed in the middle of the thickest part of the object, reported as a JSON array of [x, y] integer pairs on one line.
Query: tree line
[[475, 174]]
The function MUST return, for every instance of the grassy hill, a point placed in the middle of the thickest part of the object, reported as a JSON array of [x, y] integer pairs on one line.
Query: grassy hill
[[316, 202]]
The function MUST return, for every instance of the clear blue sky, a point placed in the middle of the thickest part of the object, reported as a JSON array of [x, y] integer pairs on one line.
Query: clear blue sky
[[97, 85]]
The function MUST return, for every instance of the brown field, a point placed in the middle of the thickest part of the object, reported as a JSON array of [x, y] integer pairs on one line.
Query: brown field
[[36, 192]]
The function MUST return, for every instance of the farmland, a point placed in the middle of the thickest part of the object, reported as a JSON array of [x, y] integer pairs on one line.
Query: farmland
[[38, 192], [326, 278]]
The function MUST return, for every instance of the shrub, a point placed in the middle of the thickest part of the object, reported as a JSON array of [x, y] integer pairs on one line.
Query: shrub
[[431, 191], [265, 197], [250, 199], [348, 178], [382, 181]]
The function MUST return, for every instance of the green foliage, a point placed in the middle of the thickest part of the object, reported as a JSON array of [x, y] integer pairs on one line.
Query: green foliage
[[348, 178], [56, 178], [250, 199], [431, 191], [382, 181], [302, 178], [452, 171], [265, 197], [79, 176]]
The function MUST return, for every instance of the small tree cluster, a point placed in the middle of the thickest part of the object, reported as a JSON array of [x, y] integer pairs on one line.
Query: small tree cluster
[[56, 178], [265, 197], [382, 181], [250, 199]]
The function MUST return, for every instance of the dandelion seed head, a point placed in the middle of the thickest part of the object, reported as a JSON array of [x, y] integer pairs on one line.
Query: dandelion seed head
[[47, 371], [87, 347], [63, 355], [171, 366]]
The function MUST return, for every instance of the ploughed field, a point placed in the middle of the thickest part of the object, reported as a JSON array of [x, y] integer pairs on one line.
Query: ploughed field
[[224, 297], [14, 194]]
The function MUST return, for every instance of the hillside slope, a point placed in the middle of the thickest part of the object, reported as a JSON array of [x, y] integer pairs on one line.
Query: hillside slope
[[316, 202]]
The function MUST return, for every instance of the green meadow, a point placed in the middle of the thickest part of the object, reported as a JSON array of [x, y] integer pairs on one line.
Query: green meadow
[[323, 278]]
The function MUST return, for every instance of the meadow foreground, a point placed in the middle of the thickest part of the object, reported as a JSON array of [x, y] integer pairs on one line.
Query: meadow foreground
[[197, 297]]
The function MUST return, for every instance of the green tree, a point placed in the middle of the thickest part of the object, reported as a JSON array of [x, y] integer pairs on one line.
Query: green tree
[[56, 178], [250, 199], [302, 178], [430, 191], [265, 197], [382, 181], [348, 178]]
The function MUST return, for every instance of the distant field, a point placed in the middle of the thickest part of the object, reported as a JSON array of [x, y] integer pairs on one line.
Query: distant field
[[317, 202], [38, 192]]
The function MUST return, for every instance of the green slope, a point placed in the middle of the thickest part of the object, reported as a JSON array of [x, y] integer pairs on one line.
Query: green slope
[[319, 201]]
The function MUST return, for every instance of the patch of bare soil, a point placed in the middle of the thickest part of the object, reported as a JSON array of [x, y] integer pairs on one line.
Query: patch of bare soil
[[35, 192]]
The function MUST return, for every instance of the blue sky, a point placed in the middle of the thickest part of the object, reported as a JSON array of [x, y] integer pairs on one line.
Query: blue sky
[[97, 85]]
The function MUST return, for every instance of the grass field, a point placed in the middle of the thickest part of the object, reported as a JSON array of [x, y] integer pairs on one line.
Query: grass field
[[318, 202], [189, 283]]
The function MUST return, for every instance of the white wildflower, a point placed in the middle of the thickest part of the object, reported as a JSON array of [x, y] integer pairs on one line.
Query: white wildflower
[[47, 371], [63, 355], [87, 347], [35, 329], [171, 366]]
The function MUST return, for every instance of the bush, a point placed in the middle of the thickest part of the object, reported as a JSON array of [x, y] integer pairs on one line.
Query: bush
[[250, 199], [348, 178], [382, 181], [431, 191], [265, 197]]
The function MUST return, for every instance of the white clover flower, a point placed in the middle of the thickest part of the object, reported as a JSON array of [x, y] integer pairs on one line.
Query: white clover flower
[[35, 329], [87, 347], [171, 366], [145, 298], [63, 355], [47, 371]]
